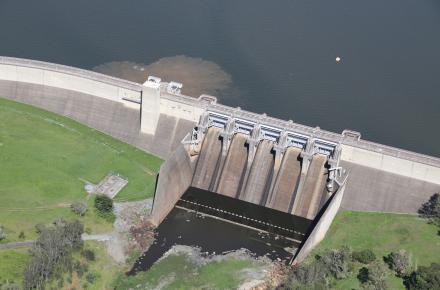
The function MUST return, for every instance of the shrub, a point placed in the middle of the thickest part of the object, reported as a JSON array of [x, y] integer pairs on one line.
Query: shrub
[[424, 278], [39, 228], [59, 222], [80, 208], [306, 276], [337, 262], [373, 277], [398, 262], [364, 256], [21, 235], [88, 254], [9, 286], [309, 273], [431, 209], [90, 277], [103, 203], [2, 233]]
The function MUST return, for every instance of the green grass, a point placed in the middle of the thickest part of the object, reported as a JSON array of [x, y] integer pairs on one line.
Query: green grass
[[12, 263], [382, 233], [177, 271], [45, 159]]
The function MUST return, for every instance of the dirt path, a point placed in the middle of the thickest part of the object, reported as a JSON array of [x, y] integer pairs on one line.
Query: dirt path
[[128, 214], [16, 245]]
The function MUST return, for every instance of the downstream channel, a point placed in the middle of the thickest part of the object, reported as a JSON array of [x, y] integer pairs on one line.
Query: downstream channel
[[218, 224]]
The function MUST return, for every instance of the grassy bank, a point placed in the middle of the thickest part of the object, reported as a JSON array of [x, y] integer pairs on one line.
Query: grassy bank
[[178, 271], [382, 233], [45, 160]]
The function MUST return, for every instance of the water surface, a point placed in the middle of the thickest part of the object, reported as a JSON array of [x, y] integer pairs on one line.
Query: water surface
[[280, 54]]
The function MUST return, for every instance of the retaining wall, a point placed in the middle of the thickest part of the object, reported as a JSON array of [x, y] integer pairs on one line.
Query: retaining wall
[[321, 227], [174, 179]]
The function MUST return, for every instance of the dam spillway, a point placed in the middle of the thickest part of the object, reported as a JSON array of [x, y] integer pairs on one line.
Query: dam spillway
[[251, 170], [258, 181], [204, 175], [265, 171], [286, 185], [232, 174]]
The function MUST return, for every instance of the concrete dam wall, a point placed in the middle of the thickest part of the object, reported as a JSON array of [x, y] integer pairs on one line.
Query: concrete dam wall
[[155, 118], [304, 172]]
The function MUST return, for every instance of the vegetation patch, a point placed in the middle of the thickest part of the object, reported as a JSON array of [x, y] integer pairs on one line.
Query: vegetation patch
[[388, 250], [187, 269], [46, 161]]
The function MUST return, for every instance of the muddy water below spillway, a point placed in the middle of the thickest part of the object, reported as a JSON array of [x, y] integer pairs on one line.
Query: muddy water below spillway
[[196, 221]]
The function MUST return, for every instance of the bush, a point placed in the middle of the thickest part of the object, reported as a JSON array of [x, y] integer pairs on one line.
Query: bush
[[373, 277], [337, 262], [40, 228], [364, 256], [88, 254], [90, 277], [2, 233], [9, 286], [21, 235], [80, 208], [103, 204], [424, 278], [308, 273], [398, 262], [59, 222], [431, 209]]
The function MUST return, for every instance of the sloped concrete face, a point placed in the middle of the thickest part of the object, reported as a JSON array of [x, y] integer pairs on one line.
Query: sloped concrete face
[[370, 189], [287, 181], [121, 120], [322, 224], [174, 179]]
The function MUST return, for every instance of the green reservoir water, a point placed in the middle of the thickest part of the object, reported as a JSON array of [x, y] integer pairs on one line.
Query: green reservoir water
[[280, 55]]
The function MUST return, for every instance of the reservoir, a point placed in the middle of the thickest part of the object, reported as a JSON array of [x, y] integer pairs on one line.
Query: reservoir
[[280, 55]]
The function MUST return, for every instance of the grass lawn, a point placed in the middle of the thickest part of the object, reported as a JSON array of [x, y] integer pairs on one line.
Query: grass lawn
[[177, 271], [382, 233], [45, 159], [12, 263]]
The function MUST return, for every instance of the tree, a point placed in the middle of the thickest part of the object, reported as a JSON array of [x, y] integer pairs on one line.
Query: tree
[[88, 254], [2, 233], [80, 208], [39, 228], [337, 261], [311, 276], [52, 249], [364, 256], [431, 209], [373, 277], [103, 203], [398, 262], [425, 278]]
